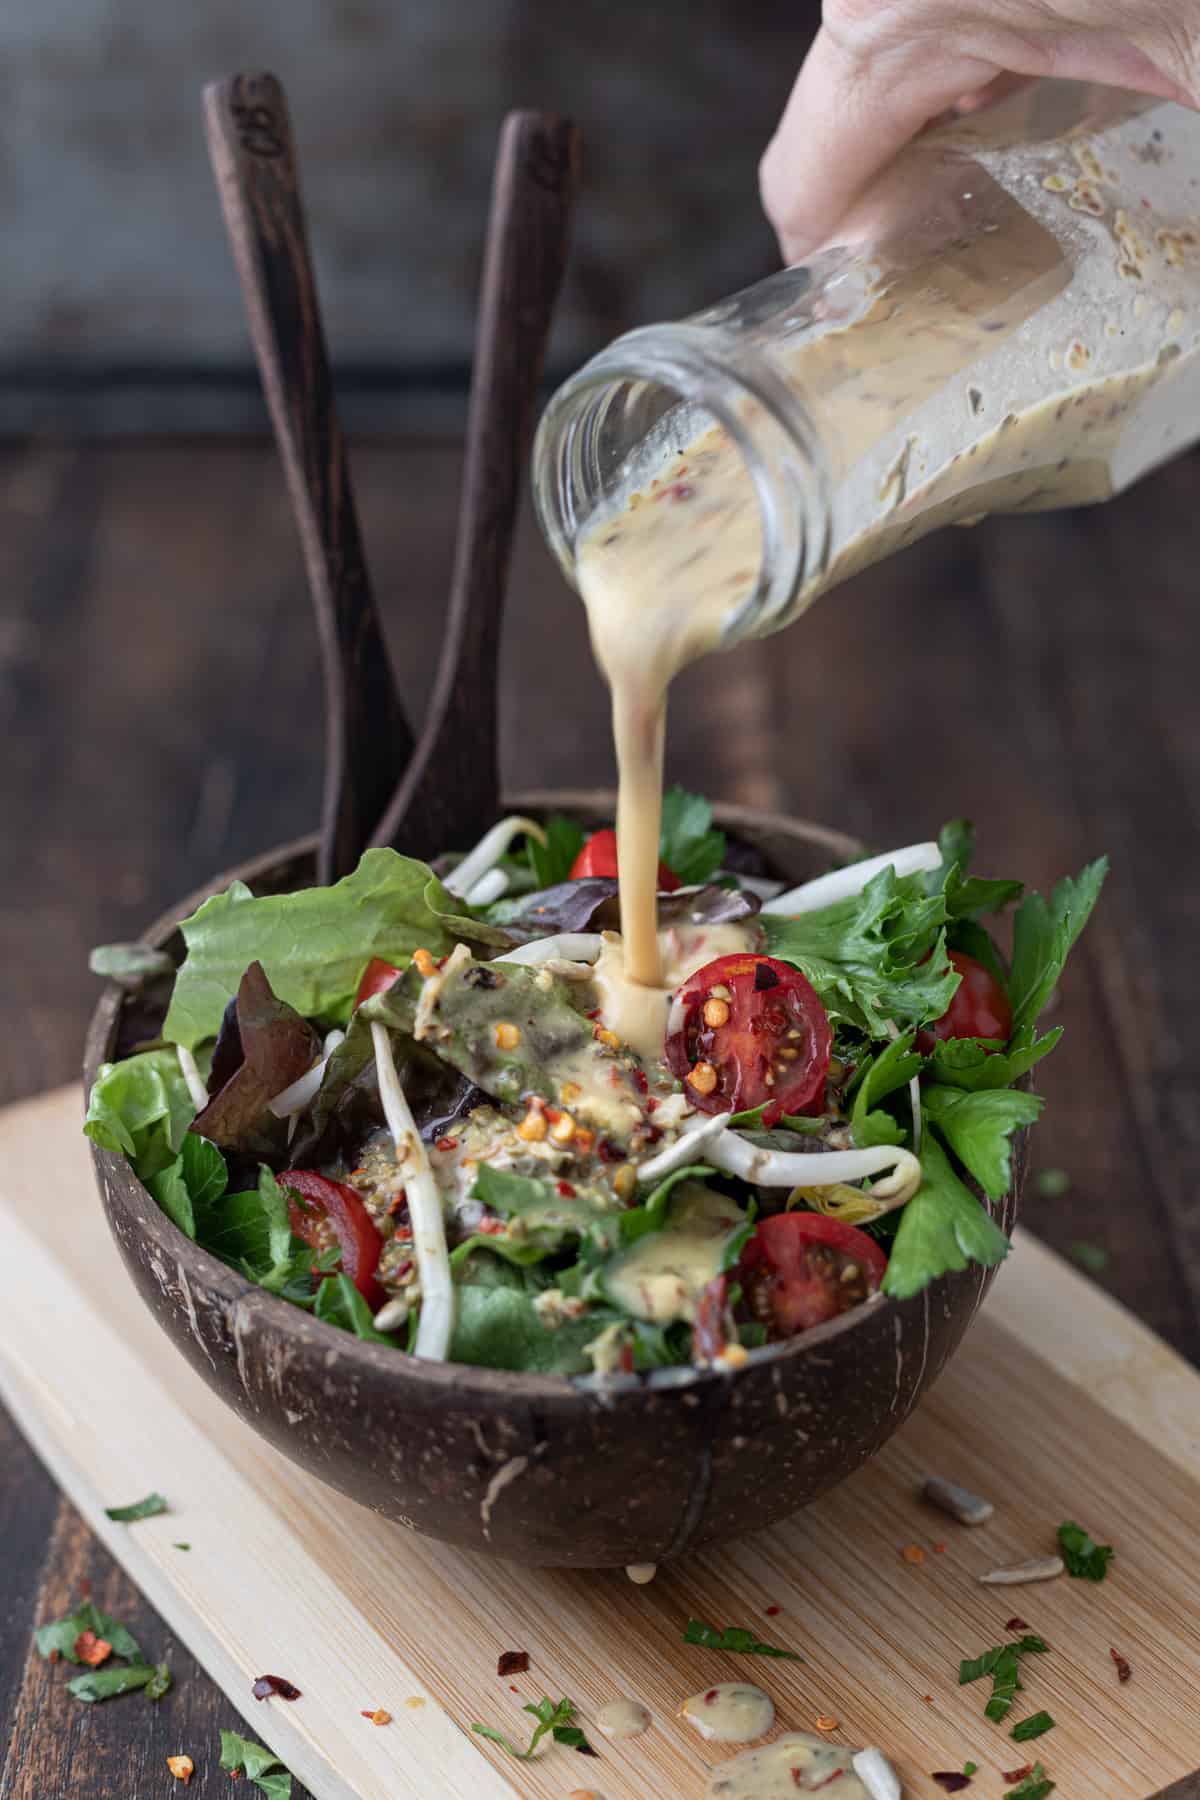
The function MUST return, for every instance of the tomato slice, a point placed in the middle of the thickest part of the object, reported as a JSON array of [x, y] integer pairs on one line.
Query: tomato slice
[[801, 1268], [327, 1213], [599, 857], [745, 1030], [980, 1007], [377, 976]]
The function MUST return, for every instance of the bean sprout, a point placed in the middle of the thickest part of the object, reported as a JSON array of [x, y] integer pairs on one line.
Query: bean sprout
[[843, 884], [488, 851], [436, 1323]]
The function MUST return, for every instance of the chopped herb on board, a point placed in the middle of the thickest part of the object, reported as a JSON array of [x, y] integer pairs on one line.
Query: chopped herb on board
[[735, 1638], [140, 1509], [62, 1636], [1035, 1787], [106, 1684], [1001, 1662], [1034, 1727], [242, 1756], [555, 1717], [970, 1769], [1085, 1559]]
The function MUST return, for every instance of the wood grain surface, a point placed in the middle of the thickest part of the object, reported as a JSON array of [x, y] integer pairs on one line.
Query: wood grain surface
[[162, 706]]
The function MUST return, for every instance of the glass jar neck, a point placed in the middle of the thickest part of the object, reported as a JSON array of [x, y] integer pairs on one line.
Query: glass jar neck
[[648, 397]]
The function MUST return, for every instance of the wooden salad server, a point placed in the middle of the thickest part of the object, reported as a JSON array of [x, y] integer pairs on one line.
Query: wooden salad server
[[368, 740], [449, 794]]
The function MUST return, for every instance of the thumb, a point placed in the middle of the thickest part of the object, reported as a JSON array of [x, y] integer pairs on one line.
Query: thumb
[[847, 117]]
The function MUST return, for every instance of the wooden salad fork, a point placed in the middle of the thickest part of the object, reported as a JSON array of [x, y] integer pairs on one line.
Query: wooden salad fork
[[450, 792], [368, 742]]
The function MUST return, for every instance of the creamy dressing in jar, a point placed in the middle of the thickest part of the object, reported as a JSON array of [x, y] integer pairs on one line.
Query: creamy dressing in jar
[[734, 1712], [796, 1763]]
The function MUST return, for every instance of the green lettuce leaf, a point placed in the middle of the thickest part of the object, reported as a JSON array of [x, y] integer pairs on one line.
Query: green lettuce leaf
[[978, 1126], [942, 1228], [196, 1179], [550, 1216], [497, 1327], [339, 1302], [313, 944], [651, 1215], [875, 957], [141, 1106], [1043, 934], [689, 844], [550, 863]]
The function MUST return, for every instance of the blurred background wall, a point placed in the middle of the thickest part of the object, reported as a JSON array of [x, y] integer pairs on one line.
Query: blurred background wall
[[120, 310]]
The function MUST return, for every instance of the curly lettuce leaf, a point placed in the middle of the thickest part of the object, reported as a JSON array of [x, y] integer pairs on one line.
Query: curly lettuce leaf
[[1044, 932], [942, 1228], [141, 1106], [314, 944], [874, 957], [978, 1127]]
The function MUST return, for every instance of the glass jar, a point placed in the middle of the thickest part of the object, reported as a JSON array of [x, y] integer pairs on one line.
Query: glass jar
[[1012, 325]]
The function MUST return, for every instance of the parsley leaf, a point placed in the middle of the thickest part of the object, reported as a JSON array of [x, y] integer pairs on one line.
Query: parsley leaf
[[339, 1303], [967, 898], [735, 1638], [1043, 934], [106, 1684], [875, 956], [978, 1126], [1001, 1662], [1033, 1727], [61, 1634], [977, 1063], [243, 1756], [1083, 1556], [652, 1214], [1035, 1787], [553, 1716], [689, 845], [943, 1227], [877, 1077], [140, 1509]]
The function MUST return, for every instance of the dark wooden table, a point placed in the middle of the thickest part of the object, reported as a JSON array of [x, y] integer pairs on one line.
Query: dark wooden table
[[161, 710]]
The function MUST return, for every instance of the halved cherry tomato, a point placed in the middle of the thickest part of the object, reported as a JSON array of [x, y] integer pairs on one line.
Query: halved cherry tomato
[[328, 1213], [377, 976], [979, 1008], [746, 1029], [801, 1268], [599, 857]]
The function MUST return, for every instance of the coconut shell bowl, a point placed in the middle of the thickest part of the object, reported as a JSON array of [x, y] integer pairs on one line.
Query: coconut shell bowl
[[540, 1469]]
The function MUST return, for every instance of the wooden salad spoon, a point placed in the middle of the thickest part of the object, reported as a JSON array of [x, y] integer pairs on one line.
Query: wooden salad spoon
[[368, 740], [449, 794]]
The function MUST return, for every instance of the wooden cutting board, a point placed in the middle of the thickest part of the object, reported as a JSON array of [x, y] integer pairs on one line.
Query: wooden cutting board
[[1059, 1406]]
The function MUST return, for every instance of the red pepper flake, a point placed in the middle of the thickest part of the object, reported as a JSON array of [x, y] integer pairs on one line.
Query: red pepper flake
[[406, 1268], [609, 1152], [1123, 1669], [91, 1649], [584, 1139], [394, 1205], [712, 1694], [1015, 1624], [446, 1143], [182, 1768], [1017, 1774], [512, 1662], [928, 1699], [627, 1359], [513, 1688], [492, 1227], [640, 1082], [54, 1656], [380, 1716], [913, 1553], [939, 1549], [825, 1722], [565, 1189], [953, 1780], [554, 1114], [652, 1106], [594, 1014], [274, 1684], [774, 1611], [799, 1779]]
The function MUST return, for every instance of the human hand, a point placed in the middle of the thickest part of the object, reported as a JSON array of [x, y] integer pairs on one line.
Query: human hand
[[879, 70]]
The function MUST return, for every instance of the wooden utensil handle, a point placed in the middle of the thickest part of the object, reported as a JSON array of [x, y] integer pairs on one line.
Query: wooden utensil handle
[[368, 741], [450, 792]]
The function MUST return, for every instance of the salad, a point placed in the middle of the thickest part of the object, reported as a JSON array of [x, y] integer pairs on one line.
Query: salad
[[400, 1102]]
